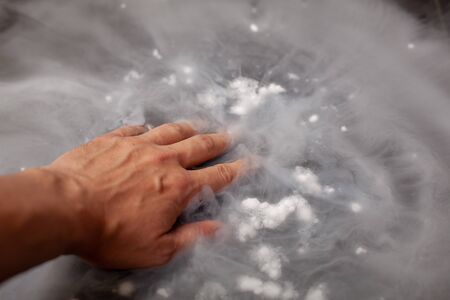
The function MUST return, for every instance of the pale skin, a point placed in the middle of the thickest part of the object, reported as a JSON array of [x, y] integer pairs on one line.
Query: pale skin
[[113, 201]]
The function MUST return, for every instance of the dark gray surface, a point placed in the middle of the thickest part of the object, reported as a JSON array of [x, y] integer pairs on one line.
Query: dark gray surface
[[430, 11]]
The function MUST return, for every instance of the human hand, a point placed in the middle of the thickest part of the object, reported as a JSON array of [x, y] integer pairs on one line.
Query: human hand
[[129, 187]]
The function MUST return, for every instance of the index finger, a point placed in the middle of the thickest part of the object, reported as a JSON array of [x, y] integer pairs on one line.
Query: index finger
[[170, 133]]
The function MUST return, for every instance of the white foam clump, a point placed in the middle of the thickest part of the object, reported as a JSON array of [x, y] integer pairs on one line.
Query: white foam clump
[[249, 95], [247, 231], [108, 98], [329, 190], [133, 75], [270, 216], [245, 92], [360, 250], [356, 207], [293, 76], [211, 290], [170, 80], [126, 289], [266, 289], [317, 293], [163, 292], [309, 182], [305, 212], [268, 260], [313, 118], [254, 27], [156, 54], [212, 98], [187, 70], [301, 250]]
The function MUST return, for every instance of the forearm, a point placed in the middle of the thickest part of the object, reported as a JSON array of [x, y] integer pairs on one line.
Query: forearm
[[37, 219]]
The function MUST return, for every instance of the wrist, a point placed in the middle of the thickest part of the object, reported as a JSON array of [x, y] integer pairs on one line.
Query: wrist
[[80, 228]]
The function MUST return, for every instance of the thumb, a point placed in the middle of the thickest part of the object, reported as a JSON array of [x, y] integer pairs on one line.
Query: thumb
[[186, 235]]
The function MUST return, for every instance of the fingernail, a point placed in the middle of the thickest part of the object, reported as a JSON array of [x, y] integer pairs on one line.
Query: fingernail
[[214, 231], [222, 233], [235, 134], [252, 162], [229, 139]]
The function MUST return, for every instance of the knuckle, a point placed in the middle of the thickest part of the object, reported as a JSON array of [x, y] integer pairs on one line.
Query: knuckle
[[163, 156], [126, 130], [184, 181], [180, 181], [121, 132], [103, 138], [225, 173], [177, 182], [208, 142], [114, 138], [176, 128], [158, 137], [130, 130], [107, 140]]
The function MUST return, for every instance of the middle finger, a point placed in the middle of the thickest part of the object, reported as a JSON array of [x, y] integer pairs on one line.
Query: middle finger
[[201, 148]]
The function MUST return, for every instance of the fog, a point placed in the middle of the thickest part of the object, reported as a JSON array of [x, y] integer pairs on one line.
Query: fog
[[343, 104]]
